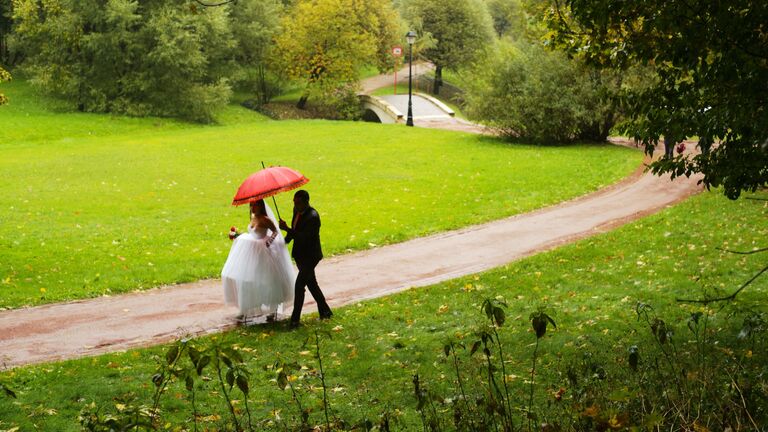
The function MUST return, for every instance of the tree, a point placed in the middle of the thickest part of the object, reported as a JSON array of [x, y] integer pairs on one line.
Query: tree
[[135, 57], [255, 24], [539, 95], [508, 16], [460, 29], [530, 92], [711, 78], [326, 43]]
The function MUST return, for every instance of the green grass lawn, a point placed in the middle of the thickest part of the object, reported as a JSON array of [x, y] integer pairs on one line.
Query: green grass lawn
[[590, 288], [98, 204]]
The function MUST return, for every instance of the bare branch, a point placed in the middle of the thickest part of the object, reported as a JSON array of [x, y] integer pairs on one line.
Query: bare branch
[[201, 3], [730, 297], [742, 253]]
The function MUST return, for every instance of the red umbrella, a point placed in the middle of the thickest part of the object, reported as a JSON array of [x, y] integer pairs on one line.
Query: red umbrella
[[268, 182]]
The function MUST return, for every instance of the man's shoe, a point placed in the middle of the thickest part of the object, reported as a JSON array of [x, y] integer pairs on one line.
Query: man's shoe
[[294, 325], [326, 316]]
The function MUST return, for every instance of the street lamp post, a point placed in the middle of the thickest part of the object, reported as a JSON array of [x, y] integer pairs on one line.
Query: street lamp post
[[411, 38]]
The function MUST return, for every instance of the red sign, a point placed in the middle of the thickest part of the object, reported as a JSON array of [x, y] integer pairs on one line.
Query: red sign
[[397, 51]]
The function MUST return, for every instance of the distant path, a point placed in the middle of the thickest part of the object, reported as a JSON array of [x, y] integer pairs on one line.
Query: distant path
[[376, 82], [105, 324]]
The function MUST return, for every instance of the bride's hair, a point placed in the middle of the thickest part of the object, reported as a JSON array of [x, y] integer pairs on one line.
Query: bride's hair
[[260, 206]]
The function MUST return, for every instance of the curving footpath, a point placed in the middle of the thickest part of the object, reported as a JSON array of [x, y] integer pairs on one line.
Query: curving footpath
[[89, 327]]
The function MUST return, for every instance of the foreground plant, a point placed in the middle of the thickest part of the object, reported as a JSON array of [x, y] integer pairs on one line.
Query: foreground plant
[[489, 405], [706, 380], [539, 322]]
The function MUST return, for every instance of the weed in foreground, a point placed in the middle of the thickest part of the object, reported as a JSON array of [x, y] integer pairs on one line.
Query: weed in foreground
[[698, 377]]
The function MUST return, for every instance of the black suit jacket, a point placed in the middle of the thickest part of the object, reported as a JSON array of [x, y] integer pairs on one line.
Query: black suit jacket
[[305, 236]]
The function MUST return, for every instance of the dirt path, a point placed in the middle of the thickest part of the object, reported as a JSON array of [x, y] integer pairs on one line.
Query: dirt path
[[376, 82], [105, 324]]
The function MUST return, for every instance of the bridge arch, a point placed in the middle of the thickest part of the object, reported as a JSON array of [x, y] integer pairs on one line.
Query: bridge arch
[[379, 111]]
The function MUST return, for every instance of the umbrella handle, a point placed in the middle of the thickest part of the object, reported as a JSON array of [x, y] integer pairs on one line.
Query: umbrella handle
[[273, 198], [276, 209]]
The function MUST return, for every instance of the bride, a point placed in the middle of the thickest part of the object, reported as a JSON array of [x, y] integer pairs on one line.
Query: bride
[[258, 276]]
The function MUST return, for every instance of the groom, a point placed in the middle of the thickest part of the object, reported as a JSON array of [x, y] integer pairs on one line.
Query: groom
[[305, 231]]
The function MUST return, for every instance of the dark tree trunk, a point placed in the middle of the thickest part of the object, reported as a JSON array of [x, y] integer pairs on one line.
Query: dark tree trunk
[[264, 97], [3, 49], [598, 131], [438, 80], [302, 101]]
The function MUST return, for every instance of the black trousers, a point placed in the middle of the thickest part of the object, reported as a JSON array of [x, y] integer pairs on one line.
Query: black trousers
[[306, 278]]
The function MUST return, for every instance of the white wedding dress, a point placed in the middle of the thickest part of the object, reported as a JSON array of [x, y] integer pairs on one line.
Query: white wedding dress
[[256, 278]]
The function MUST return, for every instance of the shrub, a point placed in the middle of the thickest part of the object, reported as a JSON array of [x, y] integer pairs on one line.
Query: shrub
[[531, 93], [341, 104]]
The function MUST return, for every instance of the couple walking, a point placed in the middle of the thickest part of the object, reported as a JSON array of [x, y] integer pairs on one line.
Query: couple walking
[[258, 276]]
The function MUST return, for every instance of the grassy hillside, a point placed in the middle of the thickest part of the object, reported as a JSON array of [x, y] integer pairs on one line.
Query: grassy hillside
[[96, 204]]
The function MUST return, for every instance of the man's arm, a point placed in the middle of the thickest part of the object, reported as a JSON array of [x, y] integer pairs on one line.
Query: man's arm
[[288, 231]]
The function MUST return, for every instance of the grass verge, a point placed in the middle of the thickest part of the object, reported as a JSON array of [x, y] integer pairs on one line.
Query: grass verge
[[591, 288]]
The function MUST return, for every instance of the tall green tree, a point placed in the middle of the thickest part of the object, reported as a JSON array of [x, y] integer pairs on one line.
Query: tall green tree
[[509, 16], [326, 43], [528, 91], [135, 57], [255, 24], [460, 30], [525, 91], [711, 65]]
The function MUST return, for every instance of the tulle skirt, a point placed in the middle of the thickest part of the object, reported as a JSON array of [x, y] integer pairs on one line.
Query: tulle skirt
[[256, 278]]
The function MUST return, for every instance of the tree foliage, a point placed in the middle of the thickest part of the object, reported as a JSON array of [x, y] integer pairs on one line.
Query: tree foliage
[[135, 57], [326, 43], [4, 76], [711, 65], [255, 24], [509, 16], [5, 30], [528, 92], [461, 31]]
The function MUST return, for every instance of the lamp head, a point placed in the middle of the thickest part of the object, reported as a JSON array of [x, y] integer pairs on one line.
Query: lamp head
[[410, 37]]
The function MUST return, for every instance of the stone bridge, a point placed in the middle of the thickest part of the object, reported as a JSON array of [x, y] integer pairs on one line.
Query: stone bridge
[[394, 108]]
